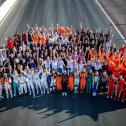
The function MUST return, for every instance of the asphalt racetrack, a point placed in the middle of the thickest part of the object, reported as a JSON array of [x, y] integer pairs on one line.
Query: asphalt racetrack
[[53, 109]]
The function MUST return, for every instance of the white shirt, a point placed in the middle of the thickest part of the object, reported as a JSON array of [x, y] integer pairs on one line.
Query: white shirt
[[60, 64], [44, 76], [30, 77], [97, 66], [47, 64], [69, 63], [22, 79], [54, 64]]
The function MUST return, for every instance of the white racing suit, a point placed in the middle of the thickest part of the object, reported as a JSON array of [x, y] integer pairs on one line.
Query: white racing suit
[[44, 83], [23, 86], [37, 82], [30, 84]]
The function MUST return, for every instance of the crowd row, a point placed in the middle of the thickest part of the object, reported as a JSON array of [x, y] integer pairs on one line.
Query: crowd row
[[65, 51]]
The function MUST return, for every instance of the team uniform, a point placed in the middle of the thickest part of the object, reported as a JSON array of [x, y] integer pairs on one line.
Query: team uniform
[[89, 82], [23, 86], [58, 83], [95, 84], [76, 81], [44, 83], [53, 82], [7, 86], [30, 84], [119, 88], [111, 85], [83, 76], [71, 82], [124, 93], [37, 82]]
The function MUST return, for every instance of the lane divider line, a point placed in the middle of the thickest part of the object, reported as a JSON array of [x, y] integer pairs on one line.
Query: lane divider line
[[111, 21], [6, 14]]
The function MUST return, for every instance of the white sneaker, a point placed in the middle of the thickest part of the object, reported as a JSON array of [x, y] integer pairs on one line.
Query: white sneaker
[[65, 94], [122, 101], [2, 97]]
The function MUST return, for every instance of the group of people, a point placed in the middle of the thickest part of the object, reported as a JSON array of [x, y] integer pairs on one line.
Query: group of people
[[60, 59]]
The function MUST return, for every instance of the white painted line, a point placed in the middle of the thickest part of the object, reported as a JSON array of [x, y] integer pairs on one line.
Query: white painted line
[[111, 21], [5, 9]]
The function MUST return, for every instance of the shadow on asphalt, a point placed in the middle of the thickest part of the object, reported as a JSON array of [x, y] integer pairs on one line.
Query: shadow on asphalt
[[74, 105]]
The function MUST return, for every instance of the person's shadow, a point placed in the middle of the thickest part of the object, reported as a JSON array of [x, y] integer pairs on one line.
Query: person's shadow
[[74, 105]]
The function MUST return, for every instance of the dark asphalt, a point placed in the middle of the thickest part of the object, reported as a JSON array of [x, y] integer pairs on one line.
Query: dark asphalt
[[55, 110], [117, 11]]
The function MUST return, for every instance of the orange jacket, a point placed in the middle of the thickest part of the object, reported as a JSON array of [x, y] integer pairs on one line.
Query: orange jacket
[[59, 83]]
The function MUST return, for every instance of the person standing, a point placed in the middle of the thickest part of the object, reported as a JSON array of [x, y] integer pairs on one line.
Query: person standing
[[95, 83], [71, 82], [111, 85], [1, 88], [53, 81], [103, 82], [119, 87], [83, 76], [30, 84], [64, 84], [7, 85], [89, 81], [44, 81], [124, 93], [60, 65], [15, 82], [69, 65], [37, 81], [59, 82], [22, 82], [76, 80]]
